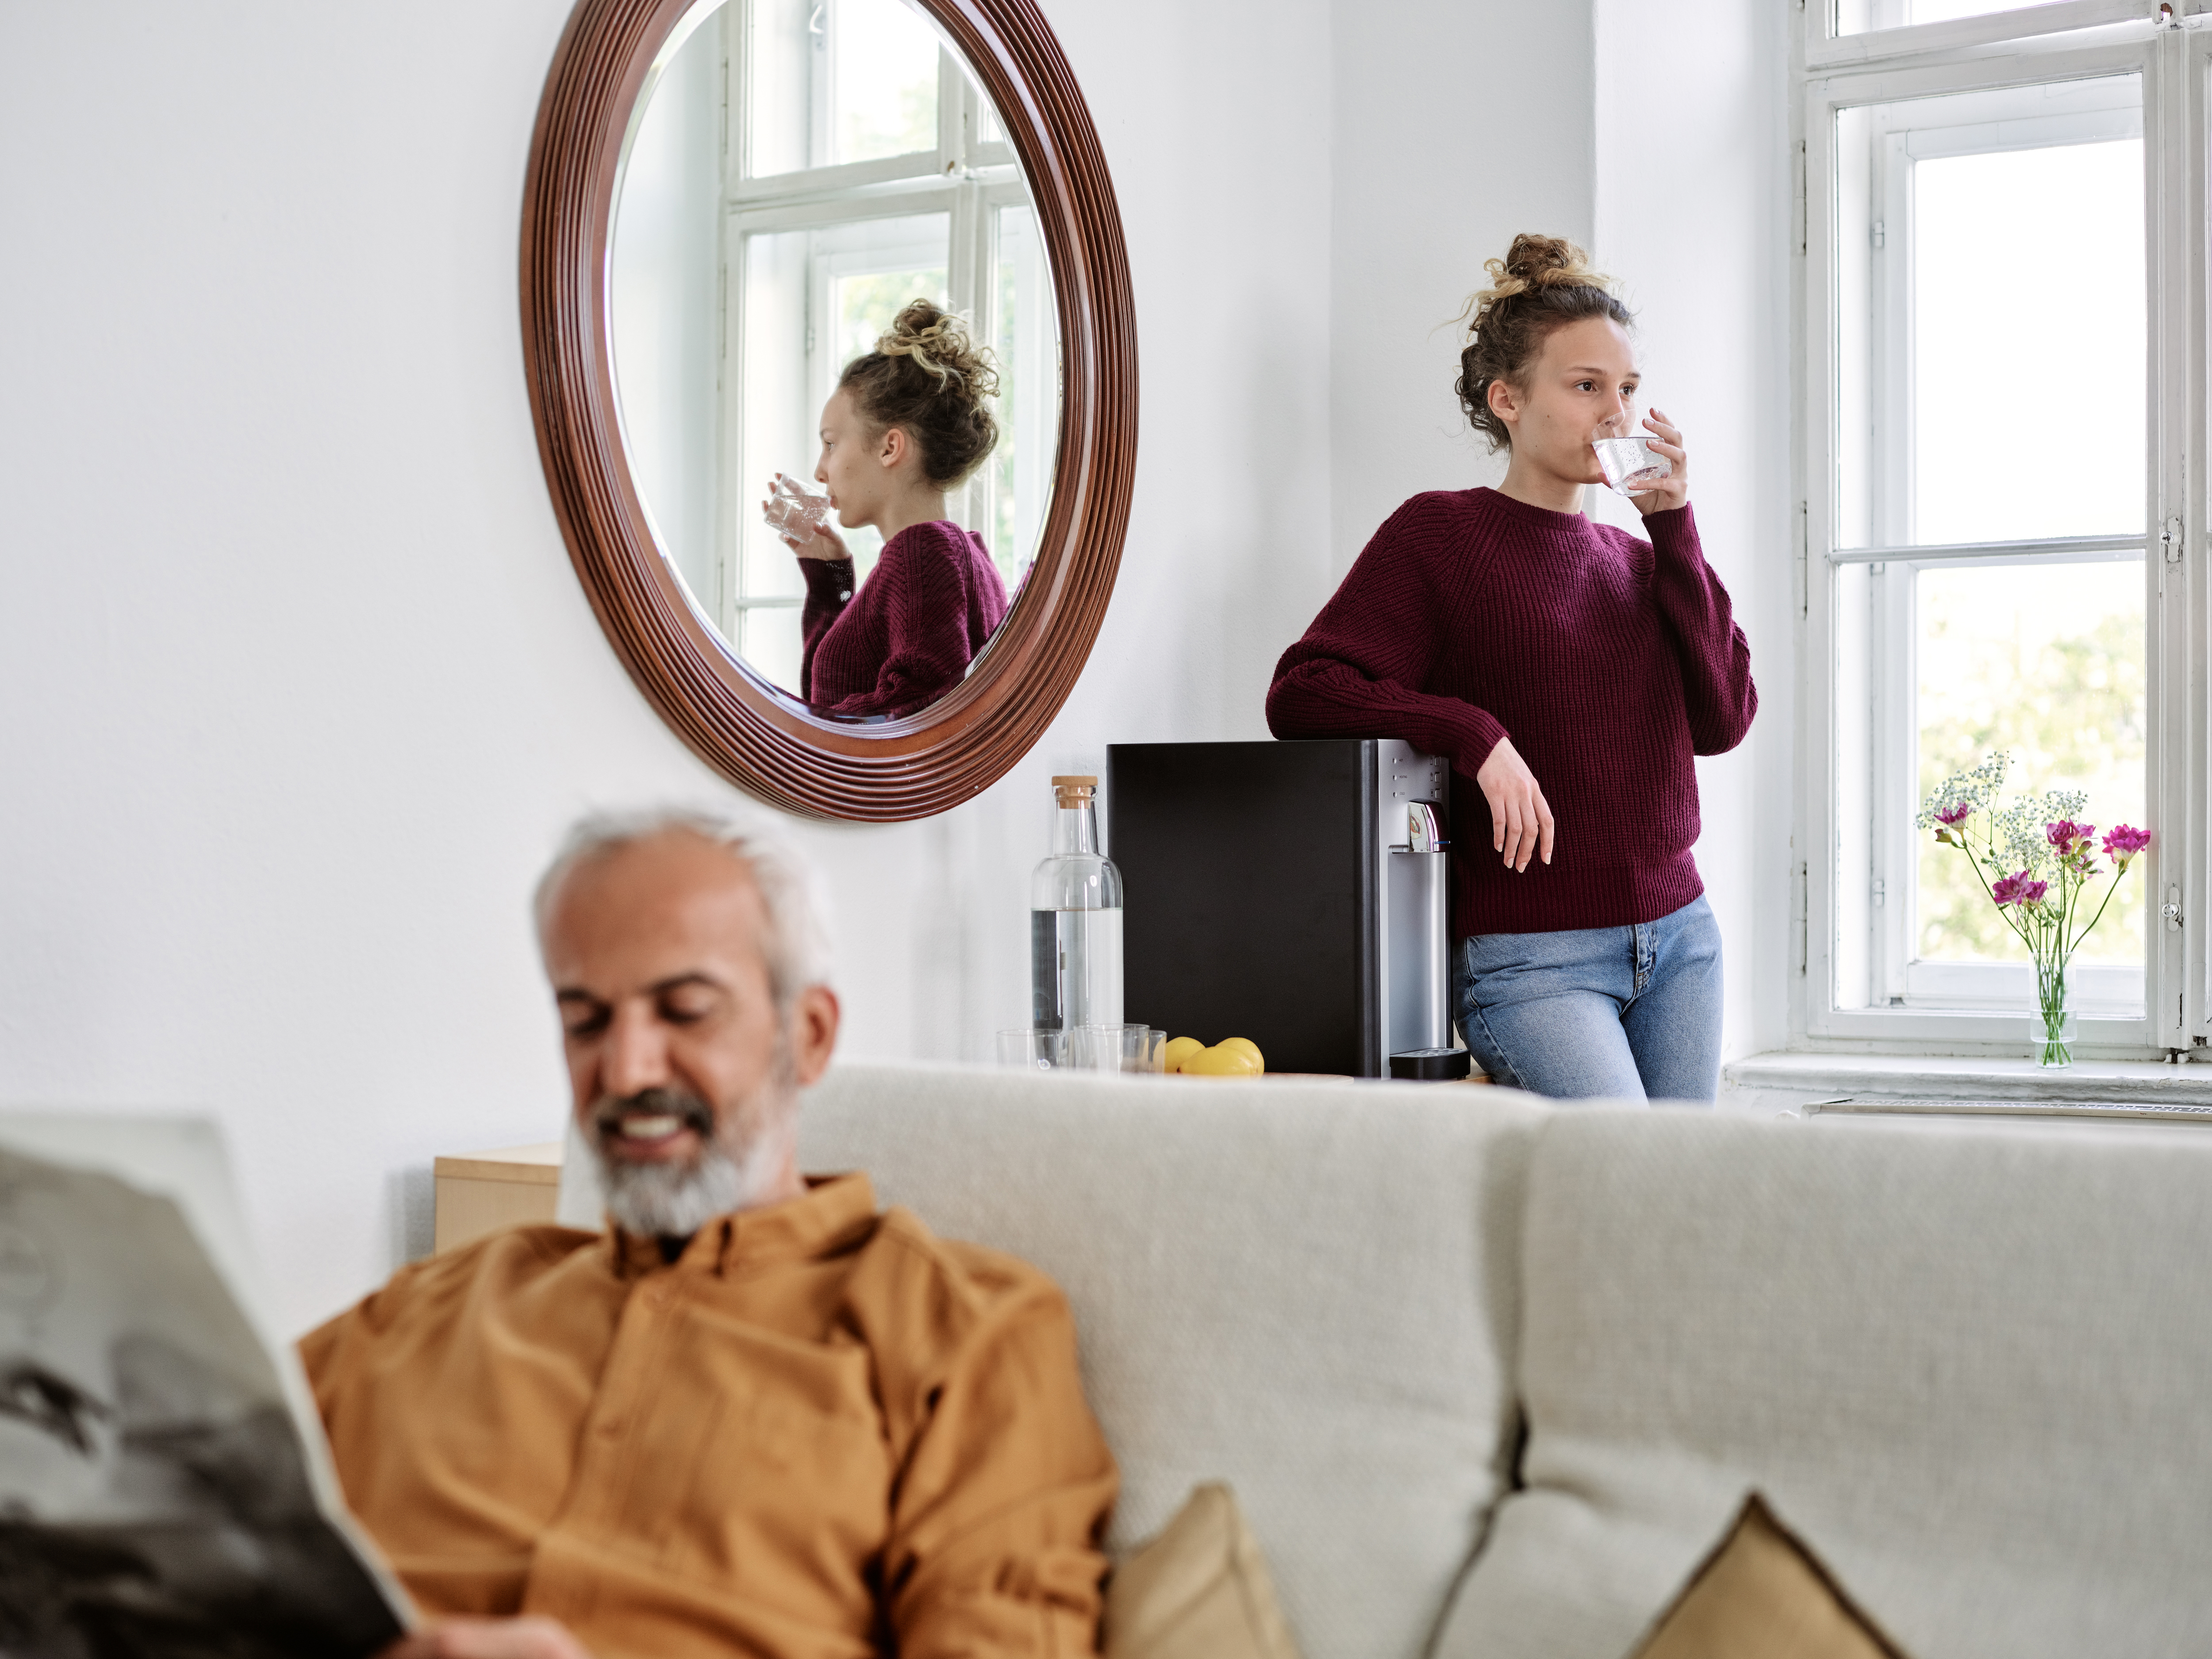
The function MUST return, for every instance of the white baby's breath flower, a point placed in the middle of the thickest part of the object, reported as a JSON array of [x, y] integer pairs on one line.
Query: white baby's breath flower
[[1973, 789]]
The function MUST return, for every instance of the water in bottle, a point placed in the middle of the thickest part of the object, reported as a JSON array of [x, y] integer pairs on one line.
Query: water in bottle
[[1075, 919]]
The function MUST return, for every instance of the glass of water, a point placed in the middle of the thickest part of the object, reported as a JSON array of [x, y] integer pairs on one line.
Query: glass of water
[[792, 512], [1626, 455]]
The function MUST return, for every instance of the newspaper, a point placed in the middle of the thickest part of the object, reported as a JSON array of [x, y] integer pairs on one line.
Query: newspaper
[[165, 1488]]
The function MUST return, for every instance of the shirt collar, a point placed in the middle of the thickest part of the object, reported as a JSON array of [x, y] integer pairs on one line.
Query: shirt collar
[[832, 1210]]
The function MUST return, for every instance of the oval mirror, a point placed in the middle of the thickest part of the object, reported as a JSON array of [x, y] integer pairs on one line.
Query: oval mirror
[[733, 202]]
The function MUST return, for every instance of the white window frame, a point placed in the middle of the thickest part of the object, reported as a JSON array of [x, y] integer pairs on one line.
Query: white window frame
[[968, 176], [1852, 831]]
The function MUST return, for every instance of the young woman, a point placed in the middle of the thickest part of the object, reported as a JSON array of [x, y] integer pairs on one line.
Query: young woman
[[908, 422], [1571, 671]]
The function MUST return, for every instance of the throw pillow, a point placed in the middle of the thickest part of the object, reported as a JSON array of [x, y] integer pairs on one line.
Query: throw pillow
[[1198, 1591], [1763, 1595]]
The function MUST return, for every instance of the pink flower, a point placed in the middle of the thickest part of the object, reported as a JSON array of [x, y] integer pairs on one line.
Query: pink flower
[[1955, 813], [2018, 890], [2065, 834], [2123, 843]]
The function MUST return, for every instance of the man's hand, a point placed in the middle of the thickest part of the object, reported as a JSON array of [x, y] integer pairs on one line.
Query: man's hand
[[488, 1639], [1674, 490], [1521, 821]]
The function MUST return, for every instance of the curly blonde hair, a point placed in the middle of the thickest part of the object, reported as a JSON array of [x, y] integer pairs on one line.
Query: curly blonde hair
[[928, 377], [1543, 283]]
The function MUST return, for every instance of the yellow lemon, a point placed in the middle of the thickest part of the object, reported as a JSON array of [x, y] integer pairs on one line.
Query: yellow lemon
[[1179, 1049], [1245, 1045], [1221, 1060]]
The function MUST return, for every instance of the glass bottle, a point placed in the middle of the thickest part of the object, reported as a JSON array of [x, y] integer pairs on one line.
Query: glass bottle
[[1075, 919]]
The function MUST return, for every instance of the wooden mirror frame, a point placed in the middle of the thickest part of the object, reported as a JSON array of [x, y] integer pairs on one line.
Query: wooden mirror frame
[[756, 735]]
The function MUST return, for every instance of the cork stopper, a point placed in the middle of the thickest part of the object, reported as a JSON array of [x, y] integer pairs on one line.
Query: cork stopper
[[1074, 791]]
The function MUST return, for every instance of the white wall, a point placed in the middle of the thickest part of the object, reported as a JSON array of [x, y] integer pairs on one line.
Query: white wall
[[296, 687], [1458, 123], [664, 307], [1693, 214]]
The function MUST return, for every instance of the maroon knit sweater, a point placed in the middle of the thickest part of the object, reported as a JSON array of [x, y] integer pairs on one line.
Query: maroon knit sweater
[[1609, 661], [905, 636]]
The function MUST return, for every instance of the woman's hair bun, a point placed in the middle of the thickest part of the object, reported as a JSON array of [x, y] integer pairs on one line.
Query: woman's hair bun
[[928, 376], [938, 342], [1533, 263]]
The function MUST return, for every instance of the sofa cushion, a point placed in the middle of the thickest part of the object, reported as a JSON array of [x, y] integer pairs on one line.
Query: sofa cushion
[[1304, 1289], [1972, 1366]]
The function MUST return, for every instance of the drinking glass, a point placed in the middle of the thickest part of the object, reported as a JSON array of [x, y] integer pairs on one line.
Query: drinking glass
[[792, 512], [1626, 455], [1116, 1048], [1031, 1050]]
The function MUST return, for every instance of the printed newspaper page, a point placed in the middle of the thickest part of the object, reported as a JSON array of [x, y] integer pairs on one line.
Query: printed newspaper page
[[164, 1486]]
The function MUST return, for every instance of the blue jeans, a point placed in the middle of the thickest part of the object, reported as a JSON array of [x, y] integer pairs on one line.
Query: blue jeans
[[1628, 1013]]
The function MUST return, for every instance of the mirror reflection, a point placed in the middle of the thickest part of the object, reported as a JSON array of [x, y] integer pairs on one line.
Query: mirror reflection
[[830, 305]]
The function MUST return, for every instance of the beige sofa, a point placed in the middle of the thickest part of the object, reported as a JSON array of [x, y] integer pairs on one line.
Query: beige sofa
[[1489, 1377]]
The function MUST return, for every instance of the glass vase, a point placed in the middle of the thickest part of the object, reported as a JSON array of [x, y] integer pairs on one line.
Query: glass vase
[[2057, 1027]]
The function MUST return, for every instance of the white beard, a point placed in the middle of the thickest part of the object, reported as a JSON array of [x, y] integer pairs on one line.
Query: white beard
[[669, 1200], [674, 1201]]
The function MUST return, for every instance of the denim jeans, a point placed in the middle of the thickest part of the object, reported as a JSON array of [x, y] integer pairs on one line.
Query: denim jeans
[[1632, 1012]]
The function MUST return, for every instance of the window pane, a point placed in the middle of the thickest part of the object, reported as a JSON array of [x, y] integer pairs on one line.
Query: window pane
[[2003, 242], [1967, 226], [833, 81], [884, 77], [2047, 662], [1858, 16]]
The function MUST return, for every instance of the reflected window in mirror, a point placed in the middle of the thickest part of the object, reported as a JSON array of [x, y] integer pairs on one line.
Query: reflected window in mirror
[[800, 170]]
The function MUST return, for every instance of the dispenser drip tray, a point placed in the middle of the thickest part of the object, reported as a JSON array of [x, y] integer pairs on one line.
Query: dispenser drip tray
[[1432, 1065]]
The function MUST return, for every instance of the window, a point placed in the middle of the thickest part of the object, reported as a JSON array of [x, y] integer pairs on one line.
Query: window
[[1998, 548], [860, 168]]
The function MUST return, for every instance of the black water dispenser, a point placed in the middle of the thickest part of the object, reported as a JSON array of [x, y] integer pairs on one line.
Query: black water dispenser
[[1298, 893]]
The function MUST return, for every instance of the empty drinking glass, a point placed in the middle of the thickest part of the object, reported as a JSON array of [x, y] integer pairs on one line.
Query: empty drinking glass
[[792, 512], [1116, 1048], [1032, 1049]]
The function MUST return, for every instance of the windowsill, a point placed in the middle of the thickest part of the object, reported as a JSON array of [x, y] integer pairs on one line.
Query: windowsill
[[1760, 1084]]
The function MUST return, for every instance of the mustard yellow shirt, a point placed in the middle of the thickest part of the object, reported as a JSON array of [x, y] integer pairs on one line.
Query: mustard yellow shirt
[[821, 1433]]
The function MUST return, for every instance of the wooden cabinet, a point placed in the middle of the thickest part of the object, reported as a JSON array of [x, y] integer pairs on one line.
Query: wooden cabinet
[[481, 1192]]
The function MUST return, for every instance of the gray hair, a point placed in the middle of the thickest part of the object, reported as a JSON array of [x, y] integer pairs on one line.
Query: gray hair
[[795, 944]]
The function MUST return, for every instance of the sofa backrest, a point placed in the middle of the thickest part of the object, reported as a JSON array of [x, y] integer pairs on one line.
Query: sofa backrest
[[1304, 1289], [1972, 1369]]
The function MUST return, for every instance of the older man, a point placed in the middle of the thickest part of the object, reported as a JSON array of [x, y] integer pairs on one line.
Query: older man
[[755, 1416]]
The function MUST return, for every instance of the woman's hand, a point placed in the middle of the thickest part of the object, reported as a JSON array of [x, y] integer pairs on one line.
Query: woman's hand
[[1520, 819], [1674, 490], [488, 1639], [825, 543]]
